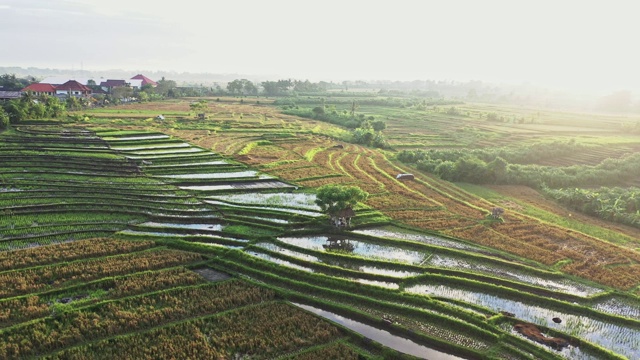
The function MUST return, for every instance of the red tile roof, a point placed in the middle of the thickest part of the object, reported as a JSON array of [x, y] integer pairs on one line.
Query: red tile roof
[[39, 87], [73, 85], [145, 80]]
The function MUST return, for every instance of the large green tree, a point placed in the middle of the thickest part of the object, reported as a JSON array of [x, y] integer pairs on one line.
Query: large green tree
[[166, 88], [270, 88], [242, 87], [9, 82], [235, 86], [333, 199]]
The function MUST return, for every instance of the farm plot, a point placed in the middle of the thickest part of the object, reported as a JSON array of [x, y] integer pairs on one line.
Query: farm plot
[[608, 334], [250, 233], [431, 203], [144, 311], [357, 247]]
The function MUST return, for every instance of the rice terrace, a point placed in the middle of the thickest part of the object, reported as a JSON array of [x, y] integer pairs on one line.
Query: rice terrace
[[204, 236]]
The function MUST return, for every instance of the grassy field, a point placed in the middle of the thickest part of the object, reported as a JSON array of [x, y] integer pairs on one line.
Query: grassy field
[[182, 210]]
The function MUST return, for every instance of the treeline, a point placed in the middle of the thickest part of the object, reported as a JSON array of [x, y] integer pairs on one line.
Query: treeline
[[31, 107], [512, 166], [370, 99], [615, 204], [366, 130], [10, 82], [514, 154]]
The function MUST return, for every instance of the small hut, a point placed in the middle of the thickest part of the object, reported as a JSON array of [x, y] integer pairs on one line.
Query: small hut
[[405, 177], [496, 212], [343, 217]]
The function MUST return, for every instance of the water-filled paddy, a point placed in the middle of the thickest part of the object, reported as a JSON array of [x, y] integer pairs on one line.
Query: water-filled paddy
[[621, 307], [170, 151], [218, 175], [384, 284], [360, 248], [207, 187], [294, 211], [169, 234], [497, 270], [278, 261], [287, 252], [387, 272], [201, 154], [427, 239], [299, 200], [273, 220], [218, 245], [383, 337], [150, 146], [141, 137], [241, 185], [217, 162], [621, 339], [207, 227]]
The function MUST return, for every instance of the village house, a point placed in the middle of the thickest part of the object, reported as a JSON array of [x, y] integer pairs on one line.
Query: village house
[[41, 89], [73, 88], [9, 95], [64, 87], [110, 84], [144, 81]]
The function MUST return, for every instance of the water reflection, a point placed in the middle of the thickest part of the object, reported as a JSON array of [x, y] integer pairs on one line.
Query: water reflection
[[383, 337]]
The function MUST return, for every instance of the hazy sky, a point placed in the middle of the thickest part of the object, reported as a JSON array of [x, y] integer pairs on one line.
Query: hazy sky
[[565, 44]]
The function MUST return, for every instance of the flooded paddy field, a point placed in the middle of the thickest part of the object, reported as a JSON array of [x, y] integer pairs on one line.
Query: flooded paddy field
[[619, 338], [359, 248]]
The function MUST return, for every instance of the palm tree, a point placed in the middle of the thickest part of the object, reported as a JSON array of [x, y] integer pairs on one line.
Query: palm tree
[[28, 97]]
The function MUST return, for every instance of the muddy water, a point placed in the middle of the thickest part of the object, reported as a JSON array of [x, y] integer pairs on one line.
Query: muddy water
[[383, 337]]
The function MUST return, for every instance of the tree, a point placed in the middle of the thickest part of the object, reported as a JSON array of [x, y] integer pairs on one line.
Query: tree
[[16, 111], [54, 107], [235, 87], [270, 88], [9, 82], [122, 92], [28, 97], [333, 199], [4, 119], [73, 103], [165, 87], [354, 107], [318, 111], [284, 85], [242, 87], [378, 125], [248, 87]]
